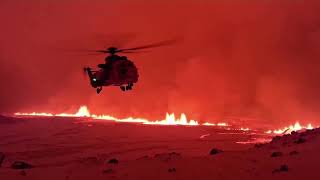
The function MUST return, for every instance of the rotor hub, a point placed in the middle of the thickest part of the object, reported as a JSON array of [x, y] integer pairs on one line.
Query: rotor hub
[[112, 50]]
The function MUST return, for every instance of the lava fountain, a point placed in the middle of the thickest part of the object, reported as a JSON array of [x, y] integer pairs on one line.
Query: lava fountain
[[291, 128]]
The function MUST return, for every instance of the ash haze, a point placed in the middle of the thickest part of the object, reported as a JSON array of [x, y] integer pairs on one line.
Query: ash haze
[[257, 59]]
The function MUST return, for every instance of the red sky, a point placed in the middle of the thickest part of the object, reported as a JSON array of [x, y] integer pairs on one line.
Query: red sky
[[258, 59]]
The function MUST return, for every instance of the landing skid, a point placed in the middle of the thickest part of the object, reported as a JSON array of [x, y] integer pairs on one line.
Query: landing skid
[[99, 89], [126, 88]]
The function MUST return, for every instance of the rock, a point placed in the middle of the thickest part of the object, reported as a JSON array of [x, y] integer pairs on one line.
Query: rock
[[300, 140], [276, 154], [215, 151], [113, 161], [293, 153], [21, 165], [168, 156], [172, 170], [108, 171], [294, 132], [283, 168], [2, 156]]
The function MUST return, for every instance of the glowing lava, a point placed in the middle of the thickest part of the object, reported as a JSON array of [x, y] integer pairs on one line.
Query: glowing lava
[[288, 130], [169, 120], [33, 114]]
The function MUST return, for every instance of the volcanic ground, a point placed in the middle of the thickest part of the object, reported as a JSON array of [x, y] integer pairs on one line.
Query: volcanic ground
[[54, 148]]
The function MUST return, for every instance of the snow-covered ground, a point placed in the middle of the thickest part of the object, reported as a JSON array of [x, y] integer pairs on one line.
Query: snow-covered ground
[[79, 149]]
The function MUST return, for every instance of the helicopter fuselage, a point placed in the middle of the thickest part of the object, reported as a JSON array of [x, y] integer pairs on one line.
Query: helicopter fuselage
[[120, 72]]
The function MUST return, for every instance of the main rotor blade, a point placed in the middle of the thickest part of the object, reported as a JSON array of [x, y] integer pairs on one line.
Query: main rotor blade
[[162, 43], [133, 51], [102, 51], [86, 50], [94, 51]]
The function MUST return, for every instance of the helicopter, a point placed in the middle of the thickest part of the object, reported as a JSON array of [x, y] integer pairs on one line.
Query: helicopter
[[117, 70]]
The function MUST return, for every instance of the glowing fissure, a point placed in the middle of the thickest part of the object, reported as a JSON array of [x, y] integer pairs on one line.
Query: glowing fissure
[[169, 120]]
